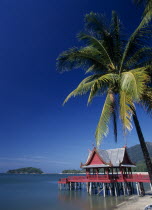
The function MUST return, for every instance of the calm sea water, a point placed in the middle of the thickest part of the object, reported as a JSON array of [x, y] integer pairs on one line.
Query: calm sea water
[[40, 192]]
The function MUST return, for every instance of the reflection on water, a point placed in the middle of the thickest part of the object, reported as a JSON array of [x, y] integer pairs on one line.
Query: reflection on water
[[40, 192], [83, 201]]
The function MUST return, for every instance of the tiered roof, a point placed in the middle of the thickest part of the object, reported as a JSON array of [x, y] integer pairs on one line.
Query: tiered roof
[[108, 158]]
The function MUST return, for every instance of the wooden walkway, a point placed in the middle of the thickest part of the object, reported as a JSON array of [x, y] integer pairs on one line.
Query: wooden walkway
[[115, 178]]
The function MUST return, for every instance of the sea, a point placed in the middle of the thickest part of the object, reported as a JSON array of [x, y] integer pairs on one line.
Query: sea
[[40, 192]]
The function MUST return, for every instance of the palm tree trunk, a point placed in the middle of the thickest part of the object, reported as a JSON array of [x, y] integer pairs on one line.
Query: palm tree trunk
[[143, 145]]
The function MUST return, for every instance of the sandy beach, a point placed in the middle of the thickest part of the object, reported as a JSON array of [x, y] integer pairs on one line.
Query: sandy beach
[[136, 203]]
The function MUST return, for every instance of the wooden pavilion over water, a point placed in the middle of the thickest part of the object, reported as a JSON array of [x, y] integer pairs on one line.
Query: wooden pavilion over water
[[107, 172], [112, 161]]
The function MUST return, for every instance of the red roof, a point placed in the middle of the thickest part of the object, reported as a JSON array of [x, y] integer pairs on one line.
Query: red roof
[[108, 158]]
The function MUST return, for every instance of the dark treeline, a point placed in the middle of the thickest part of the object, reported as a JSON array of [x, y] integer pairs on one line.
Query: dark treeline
[[27, 170], [140, 167], [73, 171]]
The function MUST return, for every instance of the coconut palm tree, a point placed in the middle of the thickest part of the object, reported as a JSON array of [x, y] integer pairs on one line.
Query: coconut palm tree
[[119, 70]]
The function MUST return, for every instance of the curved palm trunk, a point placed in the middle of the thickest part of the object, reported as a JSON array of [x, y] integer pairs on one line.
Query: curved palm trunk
[[143, 145]]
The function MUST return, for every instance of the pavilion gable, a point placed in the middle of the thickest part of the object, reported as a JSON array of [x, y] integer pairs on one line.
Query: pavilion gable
[[94, 158], [126, 159]]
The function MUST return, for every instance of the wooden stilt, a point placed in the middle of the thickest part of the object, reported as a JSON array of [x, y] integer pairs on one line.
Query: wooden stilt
[[127, 188], [115, 186], [90, 188], [87, 186], [137, 187], [80, 185], [142, 189], [98, 188], [124, 190], [132, 186], [121, 189], [110, 190], [75, 185], [83, 185], [150, 187], [104, 190]]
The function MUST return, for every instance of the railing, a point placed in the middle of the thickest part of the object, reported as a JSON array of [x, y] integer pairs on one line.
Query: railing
[[76, 178], [136, 177], [110, 177], [97, 176], [65, 180]]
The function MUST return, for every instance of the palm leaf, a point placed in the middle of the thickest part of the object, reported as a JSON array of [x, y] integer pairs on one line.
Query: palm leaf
[[95, 23], [101, 84], [84, 86], [118, 42], [133, 82], [139, 39], [140, 58], [146, 100], [147, 14], [96, 26], [80, 58], [126, 106], [97, 44], [102, 127]]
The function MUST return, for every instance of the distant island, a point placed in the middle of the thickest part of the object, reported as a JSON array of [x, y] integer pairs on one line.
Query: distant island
[[27, 170], [73, 171]]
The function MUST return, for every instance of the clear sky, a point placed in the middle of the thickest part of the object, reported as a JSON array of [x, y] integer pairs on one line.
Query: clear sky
[[35, 129]]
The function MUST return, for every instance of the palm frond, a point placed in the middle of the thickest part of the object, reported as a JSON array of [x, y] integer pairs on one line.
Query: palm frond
[[116, 33], [147, 14], [146, 100], [101, 84], [126, 106], [80, 58], [139, 39], [102, 127], [141, 58], [133, 82], [147, 17], [96, 24], [96, 44], [84, 86], [91, 69]]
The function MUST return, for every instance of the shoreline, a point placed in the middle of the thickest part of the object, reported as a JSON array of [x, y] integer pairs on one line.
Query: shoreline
[[136, 202]]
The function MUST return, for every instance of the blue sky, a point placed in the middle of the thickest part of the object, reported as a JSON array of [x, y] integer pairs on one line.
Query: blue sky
[[35, 129]]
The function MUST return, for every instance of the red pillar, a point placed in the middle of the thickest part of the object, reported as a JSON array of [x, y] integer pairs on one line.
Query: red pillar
[[121, 172], [107, 172], [87, 172], [97, 172]]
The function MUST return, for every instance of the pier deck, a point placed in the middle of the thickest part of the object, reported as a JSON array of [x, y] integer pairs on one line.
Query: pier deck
[[106, 178]]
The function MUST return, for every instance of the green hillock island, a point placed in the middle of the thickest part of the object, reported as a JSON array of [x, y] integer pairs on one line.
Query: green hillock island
[[27, 170]]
